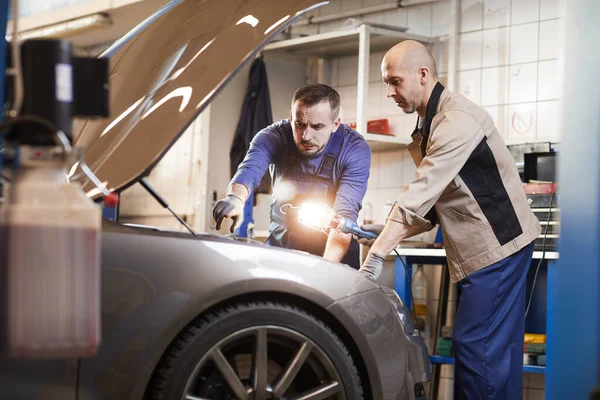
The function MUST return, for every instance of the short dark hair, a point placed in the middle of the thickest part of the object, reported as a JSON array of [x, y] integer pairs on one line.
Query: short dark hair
[[313, 94]]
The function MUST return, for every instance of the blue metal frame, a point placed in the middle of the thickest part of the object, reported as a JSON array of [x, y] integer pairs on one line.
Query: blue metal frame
[[574, 323], [402, 287]]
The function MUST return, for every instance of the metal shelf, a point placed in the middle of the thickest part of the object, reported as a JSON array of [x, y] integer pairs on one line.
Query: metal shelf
[[441, 360], [363, 40], [536, 369], [427, 252], [380, 142], [346, 41]]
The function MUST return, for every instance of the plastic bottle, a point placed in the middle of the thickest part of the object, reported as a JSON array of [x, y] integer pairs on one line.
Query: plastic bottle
[[51, 231], [419, 291]]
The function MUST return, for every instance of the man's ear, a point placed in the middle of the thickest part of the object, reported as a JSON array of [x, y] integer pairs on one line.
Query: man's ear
[[336, 124], [290, 115], [423, 75]]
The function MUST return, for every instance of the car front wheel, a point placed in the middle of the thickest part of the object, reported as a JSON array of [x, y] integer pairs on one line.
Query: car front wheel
[[257, 351]]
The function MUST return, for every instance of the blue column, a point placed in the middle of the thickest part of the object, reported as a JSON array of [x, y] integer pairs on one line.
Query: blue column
[[401, 284], [573, 364]]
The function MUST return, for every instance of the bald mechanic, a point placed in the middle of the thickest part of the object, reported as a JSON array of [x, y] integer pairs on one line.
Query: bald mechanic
[[467, 181], [313, 157]]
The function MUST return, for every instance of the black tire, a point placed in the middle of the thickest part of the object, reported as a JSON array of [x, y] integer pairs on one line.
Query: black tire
[[170, 379]]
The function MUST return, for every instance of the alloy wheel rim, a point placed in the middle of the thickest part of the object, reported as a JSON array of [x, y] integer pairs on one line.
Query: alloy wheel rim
[[256, 382]]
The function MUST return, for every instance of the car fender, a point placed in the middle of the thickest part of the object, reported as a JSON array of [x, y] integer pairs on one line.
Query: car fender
[[154, 285]]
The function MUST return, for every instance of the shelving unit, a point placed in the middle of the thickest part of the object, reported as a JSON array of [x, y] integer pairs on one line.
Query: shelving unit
[[385, 143], [362, 40]]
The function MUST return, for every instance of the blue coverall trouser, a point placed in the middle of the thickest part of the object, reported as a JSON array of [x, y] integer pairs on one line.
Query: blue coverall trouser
[[489, 329]]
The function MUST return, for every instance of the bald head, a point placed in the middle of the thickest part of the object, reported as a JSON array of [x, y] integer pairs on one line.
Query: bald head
[[410, 56], [408, 69]]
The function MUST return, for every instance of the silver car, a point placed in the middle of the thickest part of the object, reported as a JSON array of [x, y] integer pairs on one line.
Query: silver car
[[208, 317]]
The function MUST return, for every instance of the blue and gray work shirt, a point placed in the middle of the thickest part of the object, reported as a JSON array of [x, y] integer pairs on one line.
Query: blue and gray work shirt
[[350, 172]]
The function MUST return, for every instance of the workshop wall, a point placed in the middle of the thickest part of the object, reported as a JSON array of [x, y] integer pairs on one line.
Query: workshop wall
[[508, 62]]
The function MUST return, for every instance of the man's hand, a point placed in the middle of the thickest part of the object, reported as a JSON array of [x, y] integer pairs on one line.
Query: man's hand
[[372, 266], [337, 246], [375, 228], [229, 207]]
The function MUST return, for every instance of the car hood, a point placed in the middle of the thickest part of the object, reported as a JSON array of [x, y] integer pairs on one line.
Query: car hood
[[234, 261], [166, 71]]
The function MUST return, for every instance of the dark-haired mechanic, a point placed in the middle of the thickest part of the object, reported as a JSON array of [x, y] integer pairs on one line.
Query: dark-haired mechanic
[[311, 157]]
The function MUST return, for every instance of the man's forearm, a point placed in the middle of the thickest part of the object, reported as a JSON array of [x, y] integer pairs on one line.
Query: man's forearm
[[337, 246], [239, 190], [393, 233]]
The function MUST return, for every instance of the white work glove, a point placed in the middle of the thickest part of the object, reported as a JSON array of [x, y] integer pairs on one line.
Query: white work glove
[[375, 228], [229, 207], [372, 266]]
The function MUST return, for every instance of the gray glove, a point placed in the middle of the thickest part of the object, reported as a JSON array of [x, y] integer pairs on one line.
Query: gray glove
[[375, 228], [229, 207], [372, 266]]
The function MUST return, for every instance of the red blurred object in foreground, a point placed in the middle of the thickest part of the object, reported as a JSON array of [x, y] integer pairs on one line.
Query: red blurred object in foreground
[[111, 200]]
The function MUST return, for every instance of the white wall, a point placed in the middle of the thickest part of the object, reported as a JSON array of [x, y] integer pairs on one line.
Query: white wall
[[509, 63]]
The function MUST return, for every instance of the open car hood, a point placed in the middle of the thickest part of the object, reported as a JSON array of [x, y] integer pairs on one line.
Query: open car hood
[[166, 71]]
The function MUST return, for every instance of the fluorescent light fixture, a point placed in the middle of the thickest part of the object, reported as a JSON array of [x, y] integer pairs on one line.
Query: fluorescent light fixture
[[67, 28]]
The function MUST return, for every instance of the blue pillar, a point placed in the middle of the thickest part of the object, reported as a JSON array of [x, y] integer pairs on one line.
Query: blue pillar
[[401, 284], [573, 364]]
